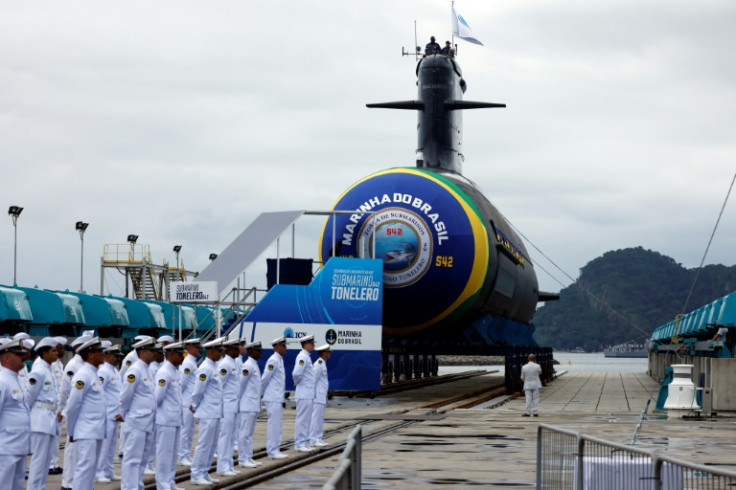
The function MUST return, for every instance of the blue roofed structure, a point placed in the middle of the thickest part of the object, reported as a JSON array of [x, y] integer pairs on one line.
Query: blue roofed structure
[[54, 313], [107, 316], [15, 310]]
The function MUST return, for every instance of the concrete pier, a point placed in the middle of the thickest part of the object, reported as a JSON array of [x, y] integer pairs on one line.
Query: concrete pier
[[492, 445]]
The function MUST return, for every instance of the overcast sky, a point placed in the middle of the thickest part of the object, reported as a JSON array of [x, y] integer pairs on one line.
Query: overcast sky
[[182, 121]]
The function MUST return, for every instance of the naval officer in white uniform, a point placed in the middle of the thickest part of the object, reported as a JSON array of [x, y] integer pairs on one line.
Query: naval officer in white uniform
[[188, 371], [273, 386], [230, 380], [111, 385], [86, 414], [15, 418], [43, 398], [304, 394], [58, 369], [139, 409], [321, 387], [207, 408], [530, 374], [249, 404], [70, 449], [168, 415]]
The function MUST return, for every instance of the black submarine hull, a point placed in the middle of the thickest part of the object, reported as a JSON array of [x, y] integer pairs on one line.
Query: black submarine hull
[[449, 257], [453, 266]]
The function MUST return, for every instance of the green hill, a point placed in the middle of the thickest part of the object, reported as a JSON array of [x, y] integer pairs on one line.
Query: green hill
[[625, 287]]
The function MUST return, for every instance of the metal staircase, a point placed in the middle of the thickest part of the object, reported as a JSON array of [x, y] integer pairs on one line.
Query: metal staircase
[[146, 283], [147, 280]]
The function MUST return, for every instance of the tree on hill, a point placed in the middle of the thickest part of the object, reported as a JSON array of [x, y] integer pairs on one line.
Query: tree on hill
[[624, 295]]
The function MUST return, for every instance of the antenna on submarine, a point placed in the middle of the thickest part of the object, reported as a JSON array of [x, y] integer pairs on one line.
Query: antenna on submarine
[[417, 53]]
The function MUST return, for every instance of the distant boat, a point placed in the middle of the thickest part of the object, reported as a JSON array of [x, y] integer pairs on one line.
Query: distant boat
[[626, 350]]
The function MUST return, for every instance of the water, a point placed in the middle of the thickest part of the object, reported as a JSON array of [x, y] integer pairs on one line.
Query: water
[[575, 362]]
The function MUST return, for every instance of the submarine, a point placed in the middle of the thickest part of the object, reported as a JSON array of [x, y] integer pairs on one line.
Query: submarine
[[455, 272]]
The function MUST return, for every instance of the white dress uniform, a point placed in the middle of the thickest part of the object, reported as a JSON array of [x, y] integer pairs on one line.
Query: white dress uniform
[[249, 405], [15, 430], [188, 371], [86, 420], [168, 424], [152, 370], [530, 374], [230, 380], [57, 369], [70, 449], [304, 394], [139, 409], [111, 385], [43, 398], [273, 386], [128, 361], [207, 404], [321, 387], [23, 376]]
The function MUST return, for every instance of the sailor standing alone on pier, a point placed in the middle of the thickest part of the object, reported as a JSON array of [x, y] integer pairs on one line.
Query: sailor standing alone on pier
[[530, 375]]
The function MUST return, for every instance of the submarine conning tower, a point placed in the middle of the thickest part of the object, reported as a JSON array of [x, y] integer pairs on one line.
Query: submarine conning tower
[[439, 130]]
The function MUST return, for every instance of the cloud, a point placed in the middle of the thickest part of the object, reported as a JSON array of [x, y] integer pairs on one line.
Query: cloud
[[181, 122]]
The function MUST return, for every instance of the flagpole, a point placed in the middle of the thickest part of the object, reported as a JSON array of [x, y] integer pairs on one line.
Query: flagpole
[[452, 12]]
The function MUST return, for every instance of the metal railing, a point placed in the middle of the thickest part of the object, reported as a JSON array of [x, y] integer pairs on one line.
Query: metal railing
[[570, 460], [126, 253], [348, 472]]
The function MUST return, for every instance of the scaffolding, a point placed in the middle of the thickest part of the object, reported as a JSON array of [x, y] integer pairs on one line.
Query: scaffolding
[[143, 278]]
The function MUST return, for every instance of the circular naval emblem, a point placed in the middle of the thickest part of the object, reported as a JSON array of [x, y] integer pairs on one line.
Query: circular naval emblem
[[404, 242], [331, 336]]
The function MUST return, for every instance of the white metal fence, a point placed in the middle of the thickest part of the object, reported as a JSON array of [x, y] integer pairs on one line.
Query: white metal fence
[[348, 472], [570, 460]]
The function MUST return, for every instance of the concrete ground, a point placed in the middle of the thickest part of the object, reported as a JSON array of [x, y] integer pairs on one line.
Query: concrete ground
[[492, 445]]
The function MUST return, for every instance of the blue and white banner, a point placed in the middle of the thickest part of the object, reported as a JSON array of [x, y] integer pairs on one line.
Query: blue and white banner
[[342, 306]]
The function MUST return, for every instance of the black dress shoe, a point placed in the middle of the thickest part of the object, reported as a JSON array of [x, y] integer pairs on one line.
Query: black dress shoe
[[55, 471], [66, 488], [524, 414]]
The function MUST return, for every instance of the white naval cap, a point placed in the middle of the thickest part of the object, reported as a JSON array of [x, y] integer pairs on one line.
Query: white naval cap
[[89, 333], [138, 338], [323, 347], [215, 343], [280, 340], [29, 343], [165, 338], [175, 347], [192, 341], [254, 345], [115, 349], [147, 343], [4, 340], [60, 340], [79, 341], [308, 338], [95, 342], [46, 342], [235, 341], [16, 346], [21, 336]]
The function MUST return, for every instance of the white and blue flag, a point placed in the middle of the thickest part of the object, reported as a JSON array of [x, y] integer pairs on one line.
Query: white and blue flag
[[461, 29]]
